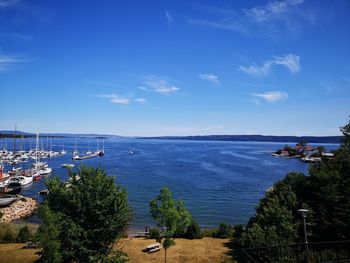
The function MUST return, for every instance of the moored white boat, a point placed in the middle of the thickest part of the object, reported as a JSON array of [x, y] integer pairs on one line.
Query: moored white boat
[[6, 199], [45, 171], [23, 180]]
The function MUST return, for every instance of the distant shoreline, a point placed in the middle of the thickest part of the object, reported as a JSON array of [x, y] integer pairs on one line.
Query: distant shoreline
[[242, 138], [252, 138]]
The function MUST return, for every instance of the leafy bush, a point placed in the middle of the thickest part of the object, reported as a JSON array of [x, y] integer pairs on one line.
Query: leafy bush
[[209, 232], [154, 233], [10, 236], [224, 231], [238, 231], [193, 230], [24, 234]]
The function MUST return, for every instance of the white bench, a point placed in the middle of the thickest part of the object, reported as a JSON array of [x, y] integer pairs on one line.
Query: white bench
[[152, 248]]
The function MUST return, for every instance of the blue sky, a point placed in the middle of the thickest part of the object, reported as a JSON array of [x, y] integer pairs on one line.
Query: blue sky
[[175, 67]]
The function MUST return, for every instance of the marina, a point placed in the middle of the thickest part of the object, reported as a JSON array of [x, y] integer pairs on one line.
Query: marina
[[22, 170]]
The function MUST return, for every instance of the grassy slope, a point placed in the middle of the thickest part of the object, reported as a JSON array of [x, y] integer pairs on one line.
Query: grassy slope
[[200, 250], [13, 253]]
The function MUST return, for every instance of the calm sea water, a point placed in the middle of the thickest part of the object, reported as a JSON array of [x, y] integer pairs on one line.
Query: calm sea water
[[218, 181]]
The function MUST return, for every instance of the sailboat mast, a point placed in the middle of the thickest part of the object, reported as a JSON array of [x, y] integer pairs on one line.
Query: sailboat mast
[[14, 140], [37, 147]]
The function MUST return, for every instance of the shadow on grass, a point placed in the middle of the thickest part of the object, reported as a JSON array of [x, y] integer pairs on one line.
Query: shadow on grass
[[235, 251]]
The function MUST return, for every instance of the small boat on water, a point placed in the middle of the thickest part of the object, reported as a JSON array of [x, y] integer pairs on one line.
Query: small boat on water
[[308, 159], [7, 199], [68, 165]]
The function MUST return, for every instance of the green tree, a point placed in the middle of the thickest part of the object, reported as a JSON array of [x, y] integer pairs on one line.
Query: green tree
[[9, 236], [302, 142], [324, 192], [24, 234], [154, 233], [170, 213], [193, 230], [167, 243], [321, 149], [82, 220], [346, 138], [224, 231], [275, 221], [48, 235]]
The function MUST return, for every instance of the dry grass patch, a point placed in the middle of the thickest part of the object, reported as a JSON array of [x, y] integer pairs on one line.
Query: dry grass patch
[[198, 250], [13, 253]]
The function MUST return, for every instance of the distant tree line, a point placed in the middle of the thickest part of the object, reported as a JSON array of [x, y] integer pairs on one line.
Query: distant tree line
[[252, 138]]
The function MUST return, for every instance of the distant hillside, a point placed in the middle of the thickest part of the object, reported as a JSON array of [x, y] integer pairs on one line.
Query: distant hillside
[[10, 134], [254, 138]]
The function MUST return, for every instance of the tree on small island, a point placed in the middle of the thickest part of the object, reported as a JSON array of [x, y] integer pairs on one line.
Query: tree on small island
[[83, 219]]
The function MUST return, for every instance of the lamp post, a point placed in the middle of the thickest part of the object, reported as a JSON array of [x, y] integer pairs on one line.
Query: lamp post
[[303, 215]]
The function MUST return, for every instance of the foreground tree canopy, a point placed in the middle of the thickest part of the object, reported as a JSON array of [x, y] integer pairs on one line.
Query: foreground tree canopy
[[82, 221], [325, 192]]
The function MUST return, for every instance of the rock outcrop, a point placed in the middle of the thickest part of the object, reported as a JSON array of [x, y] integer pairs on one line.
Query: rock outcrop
[[20, 209]]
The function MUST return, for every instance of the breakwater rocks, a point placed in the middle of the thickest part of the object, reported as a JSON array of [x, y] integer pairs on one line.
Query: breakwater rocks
[[22, 208]]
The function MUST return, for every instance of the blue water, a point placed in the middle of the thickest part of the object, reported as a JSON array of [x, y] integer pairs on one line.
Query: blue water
[[218, 181]]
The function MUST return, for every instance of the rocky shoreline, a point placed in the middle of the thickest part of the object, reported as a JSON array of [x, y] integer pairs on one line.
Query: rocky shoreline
[[22, 208]]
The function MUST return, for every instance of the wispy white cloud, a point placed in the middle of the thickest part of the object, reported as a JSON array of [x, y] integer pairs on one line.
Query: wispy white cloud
[[290, 61], [225, 24], [169, 18], [140, 100], [210, 77], [114, 98], [142, 88], [270, 96], [256, 70], [8, 3], [156, 84], [6, 61], [272, 10], [270, 20]]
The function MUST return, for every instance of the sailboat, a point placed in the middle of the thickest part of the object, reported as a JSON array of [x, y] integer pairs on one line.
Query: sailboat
[[101, 152], [40, 168], [63, 152], [88, 151]]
